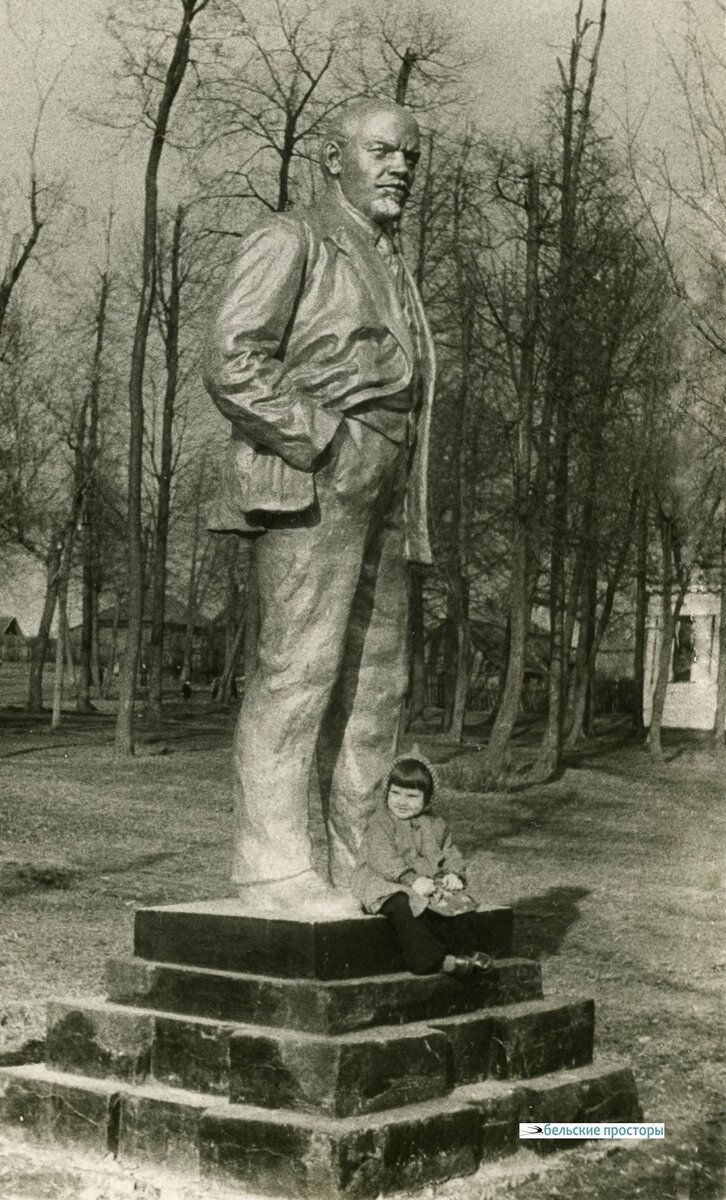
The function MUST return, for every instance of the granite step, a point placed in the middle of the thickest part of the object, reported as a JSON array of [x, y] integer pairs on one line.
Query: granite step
[[217, 934], [340, 1076], [138, 1045], [130, 1121], [518, 1041], [589, 1095], [378, 1069], [318, 1006], [299, 1155]]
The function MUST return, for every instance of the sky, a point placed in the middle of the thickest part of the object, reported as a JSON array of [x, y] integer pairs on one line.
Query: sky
[[514, 44]]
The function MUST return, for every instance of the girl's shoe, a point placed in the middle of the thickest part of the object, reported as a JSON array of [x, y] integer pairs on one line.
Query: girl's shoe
[[458, 967], [483, 963]]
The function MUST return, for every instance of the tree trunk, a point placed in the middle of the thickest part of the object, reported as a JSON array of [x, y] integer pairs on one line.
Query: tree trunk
[[234, 622], [550, 752], [192, 597], [124, 742], [561, 379], [641, 612], [226, 688], [519, 587], [719, 721], [83, 703], [187, 670], [96, 664], [669, 616], [159, 565], [595, 628], [519, 612], [89, 655], [111, 664], [60, 652], [417, 705], [40, 646], [449, 642], [581, 677], [461, 683], [64, 574], [241, 614], [460, 502]]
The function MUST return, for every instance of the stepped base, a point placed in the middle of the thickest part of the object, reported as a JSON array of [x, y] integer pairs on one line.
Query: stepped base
[[335, 1076], [342, 1075], [278, 1152], [327, 1074]]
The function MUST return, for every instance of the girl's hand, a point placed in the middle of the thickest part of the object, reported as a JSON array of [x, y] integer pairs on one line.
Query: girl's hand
[[452, 882], [423, 886]]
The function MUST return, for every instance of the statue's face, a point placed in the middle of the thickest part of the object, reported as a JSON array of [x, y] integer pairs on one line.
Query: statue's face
[[376, 164]]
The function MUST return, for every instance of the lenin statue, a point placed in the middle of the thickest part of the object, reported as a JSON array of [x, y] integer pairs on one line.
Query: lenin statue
[[321, 359]]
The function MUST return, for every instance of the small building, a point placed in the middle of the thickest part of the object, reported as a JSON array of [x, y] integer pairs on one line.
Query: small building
[[14, 646], [690, 701], [487, 655], [112, 626]]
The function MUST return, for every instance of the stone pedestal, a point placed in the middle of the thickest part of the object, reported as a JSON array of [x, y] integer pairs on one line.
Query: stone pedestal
[[298, 1058]]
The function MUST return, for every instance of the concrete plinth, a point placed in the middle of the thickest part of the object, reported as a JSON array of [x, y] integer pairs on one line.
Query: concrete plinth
[[218, 934]]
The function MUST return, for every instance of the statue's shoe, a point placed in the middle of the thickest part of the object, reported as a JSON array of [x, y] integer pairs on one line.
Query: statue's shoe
[[304, 897]]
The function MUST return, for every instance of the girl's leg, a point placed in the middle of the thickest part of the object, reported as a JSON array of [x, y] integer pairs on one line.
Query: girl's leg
[[457, 934], [422, 951]]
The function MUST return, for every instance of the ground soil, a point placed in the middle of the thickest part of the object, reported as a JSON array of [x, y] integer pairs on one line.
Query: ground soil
[[615, 872]]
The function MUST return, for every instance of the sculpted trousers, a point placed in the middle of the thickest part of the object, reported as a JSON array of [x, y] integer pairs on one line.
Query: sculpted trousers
[[324, 700]]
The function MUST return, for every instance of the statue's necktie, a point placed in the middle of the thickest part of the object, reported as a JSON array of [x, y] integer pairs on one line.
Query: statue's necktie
[[390, 252]]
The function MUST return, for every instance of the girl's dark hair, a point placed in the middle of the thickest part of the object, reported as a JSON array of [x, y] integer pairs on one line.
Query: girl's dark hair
[[412, 773]]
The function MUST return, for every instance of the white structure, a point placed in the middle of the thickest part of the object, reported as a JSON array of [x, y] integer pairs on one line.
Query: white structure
[[22, 590], [691, 697]]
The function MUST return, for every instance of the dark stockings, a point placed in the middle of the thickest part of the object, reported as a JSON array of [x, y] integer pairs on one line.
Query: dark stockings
[[426, 940]]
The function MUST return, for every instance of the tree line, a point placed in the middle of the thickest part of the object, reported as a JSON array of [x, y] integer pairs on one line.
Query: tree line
[[574, 289]]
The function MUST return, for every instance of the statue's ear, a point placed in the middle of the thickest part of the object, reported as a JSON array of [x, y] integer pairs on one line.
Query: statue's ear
[[331, 157]]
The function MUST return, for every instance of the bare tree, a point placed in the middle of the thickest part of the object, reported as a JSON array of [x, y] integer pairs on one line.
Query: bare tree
[[44, 196], [173, 77], [169, 299], [412, 54], [90, 514], [577, 96], [268, 105], [521, 352]]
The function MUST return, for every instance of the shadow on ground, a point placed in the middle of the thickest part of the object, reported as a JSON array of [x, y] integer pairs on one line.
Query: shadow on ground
[[542, 922]]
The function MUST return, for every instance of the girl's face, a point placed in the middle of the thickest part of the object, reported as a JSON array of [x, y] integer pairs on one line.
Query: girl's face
[[405, 802]]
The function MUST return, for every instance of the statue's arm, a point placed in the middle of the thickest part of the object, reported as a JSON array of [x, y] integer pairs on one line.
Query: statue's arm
[[243, 369]]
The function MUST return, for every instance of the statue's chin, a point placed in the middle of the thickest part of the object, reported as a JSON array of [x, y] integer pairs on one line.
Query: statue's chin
[[388, 210]]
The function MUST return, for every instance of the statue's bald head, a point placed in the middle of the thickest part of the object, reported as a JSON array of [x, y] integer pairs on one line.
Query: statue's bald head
[[369, 152], [347, 120]]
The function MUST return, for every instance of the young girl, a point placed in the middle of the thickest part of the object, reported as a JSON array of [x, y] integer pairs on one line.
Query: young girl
[[410, 871]]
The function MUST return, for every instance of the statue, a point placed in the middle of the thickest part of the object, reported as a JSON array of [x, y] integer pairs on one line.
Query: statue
[[321, 359]]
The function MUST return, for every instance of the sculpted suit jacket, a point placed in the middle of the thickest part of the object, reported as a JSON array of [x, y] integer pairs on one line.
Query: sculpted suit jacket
[[309, 328]]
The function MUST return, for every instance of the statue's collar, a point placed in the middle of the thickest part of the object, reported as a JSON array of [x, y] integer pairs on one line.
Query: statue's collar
[[341, 219]]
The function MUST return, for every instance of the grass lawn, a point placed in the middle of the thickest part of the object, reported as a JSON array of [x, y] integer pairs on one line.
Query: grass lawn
[[615, 871]]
